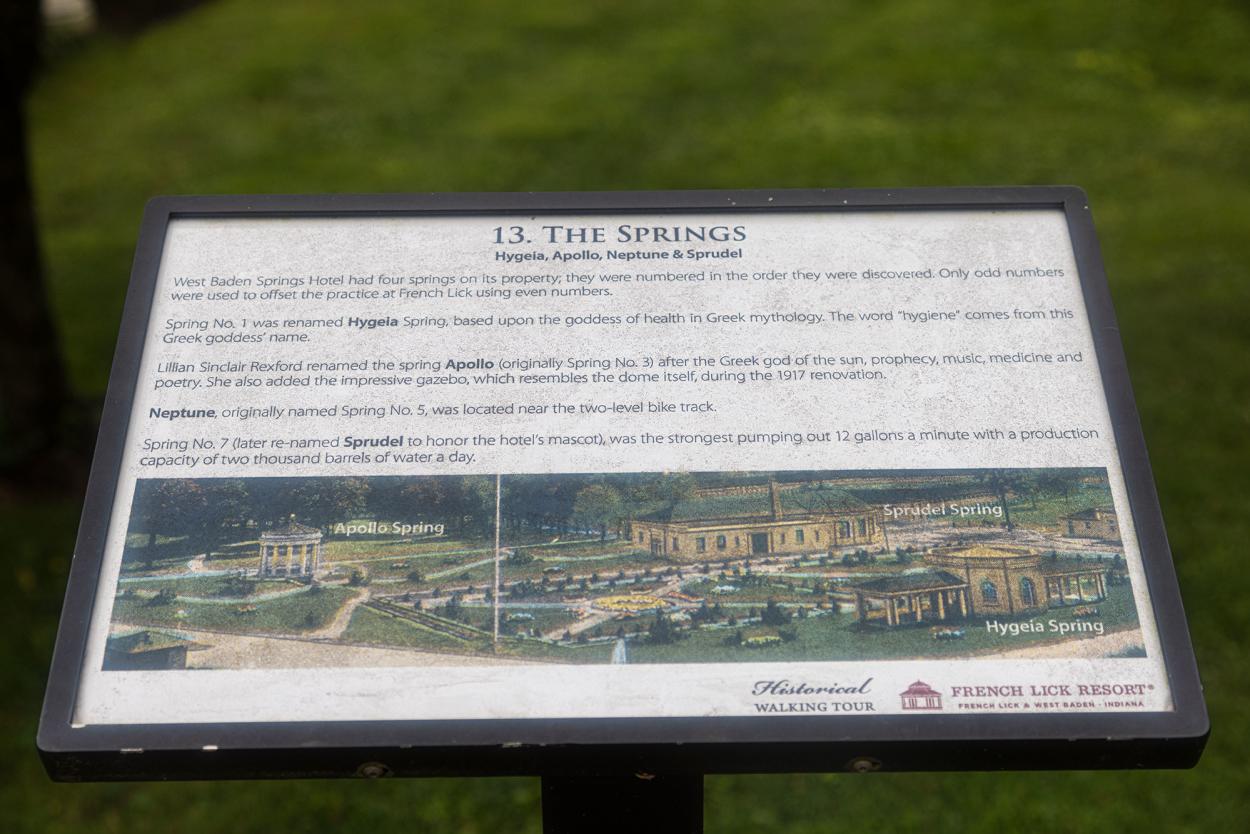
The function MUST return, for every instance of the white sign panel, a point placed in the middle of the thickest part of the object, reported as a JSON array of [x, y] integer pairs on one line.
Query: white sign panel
[[629, 465]]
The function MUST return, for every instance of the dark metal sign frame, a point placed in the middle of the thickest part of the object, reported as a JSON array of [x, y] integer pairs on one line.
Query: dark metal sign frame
[[664, 745]]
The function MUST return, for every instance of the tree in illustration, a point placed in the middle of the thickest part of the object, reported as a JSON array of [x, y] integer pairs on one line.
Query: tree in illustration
[[1057, 482], [1003, 483], [599, 506], [411, 499], [170, 508], [662, 631], [774, 614]]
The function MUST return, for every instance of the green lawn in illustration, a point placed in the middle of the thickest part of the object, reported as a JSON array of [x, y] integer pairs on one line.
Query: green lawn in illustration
[[368, 625], [514, 617], [159, 555], [1047, 511], [206, 586], [765, 588], [476, 566], [384, 629], [818, 636], [162, 554], [1144, 105], [367, 550], [607, 564], [539, 650], [371, 550], [838, 637], [301, 612]]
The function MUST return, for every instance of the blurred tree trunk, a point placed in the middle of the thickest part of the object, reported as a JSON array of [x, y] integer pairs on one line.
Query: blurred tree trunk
[[34, 395]]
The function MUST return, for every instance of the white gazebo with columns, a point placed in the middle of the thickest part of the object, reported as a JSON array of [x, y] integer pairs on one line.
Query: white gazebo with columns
[[293, 549]]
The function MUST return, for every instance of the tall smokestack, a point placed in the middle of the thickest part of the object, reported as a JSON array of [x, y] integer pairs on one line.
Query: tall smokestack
[[775, 493]]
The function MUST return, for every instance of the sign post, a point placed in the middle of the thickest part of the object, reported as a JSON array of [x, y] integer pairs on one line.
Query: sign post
[[667, 803], [619, 489]]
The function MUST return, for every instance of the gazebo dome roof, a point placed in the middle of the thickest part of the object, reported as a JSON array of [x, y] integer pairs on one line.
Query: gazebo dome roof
[[986, 551], [920, 688], [292, 529]]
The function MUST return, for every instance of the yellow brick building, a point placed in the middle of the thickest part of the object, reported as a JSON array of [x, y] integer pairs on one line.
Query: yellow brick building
[[1094, 523], [745, 521], [979, 581]]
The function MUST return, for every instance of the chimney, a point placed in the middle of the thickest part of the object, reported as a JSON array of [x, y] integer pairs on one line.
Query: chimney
[[775, 494]]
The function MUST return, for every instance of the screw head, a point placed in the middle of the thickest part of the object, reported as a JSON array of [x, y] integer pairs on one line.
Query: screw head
[[863, 764], [373, 770]]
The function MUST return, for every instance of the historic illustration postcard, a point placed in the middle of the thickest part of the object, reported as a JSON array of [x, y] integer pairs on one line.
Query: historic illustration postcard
[[739, 567]]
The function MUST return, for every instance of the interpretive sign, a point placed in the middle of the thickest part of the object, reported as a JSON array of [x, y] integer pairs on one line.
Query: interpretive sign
[[711, 480]]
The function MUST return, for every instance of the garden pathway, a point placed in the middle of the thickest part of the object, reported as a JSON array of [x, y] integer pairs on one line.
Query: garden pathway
[[600, 617], [334, 629]]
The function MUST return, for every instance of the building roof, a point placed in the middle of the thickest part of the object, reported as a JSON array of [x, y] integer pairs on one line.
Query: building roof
[[139, 642], [929, 580], [291, 528], [983, 551], [920, 688], [755, 504], [1061, 566]]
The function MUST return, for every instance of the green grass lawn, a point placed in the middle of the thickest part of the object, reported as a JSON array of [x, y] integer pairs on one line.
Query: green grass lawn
[[840, 637], [1145, 105], [381, 628], [206, 586], [1046, 512], [543, 619], [369, 625], [171, 554], [362, 550], [461, 563], [772, 587], [303, 611]]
